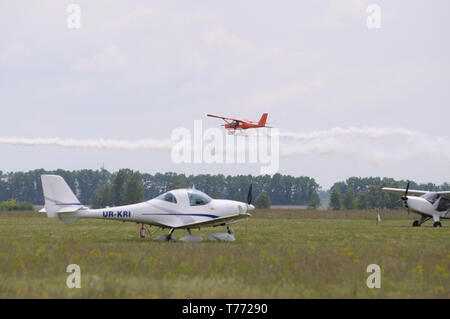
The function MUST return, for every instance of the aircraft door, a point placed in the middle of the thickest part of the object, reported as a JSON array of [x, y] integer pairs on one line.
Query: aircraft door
[[443, 205]]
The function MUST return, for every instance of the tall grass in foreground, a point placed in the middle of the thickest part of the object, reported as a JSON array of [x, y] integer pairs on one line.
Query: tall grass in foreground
[[284, 254]]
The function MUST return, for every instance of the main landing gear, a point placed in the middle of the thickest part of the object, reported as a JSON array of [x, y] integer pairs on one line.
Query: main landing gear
[[423, 219], [228, 236], [164, 238]]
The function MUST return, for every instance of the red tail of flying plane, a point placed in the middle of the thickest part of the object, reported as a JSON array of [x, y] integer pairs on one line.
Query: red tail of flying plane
[[262, 121]]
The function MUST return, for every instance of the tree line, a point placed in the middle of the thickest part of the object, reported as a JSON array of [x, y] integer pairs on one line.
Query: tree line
[[102, 187]]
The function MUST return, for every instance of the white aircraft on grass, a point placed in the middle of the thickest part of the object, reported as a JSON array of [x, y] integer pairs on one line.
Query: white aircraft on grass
[[176, 209], [428, 205]]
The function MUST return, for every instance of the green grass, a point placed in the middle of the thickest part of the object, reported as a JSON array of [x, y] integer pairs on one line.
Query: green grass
[[284, 254]]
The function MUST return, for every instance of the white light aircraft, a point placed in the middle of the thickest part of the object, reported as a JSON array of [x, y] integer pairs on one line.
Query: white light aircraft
[[428, 205], [177, 209]]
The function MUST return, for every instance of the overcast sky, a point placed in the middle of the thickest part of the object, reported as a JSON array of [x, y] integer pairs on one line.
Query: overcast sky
[[139, 69]]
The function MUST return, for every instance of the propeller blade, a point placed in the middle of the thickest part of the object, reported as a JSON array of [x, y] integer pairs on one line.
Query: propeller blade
[[405, 197], [407, 189], [249, 196]]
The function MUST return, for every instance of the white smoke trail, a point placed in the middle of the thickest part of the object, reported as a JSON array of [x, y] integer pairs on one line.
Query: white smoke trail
[[123, 145], [375, 145], [338, 132]]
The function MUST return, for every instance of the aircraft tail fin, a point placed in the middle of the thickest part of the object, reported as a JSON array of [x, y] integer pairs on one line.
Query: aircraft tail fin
[[262, 121], [60, 202]]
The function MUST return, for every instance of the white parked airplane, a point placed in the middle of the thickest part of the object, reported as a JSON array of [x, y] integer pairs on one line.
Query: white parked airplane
[[176, 209], [428, 205]]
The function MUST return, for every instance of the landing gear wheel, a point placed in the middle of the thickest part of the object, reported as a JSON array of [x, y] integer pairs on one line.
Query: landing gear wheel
[[437, 224], [416, 223]]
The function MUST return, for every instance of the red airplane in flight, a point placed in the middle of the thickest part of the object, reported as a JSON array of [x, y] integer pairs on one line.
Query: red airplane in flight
[[233, 124]]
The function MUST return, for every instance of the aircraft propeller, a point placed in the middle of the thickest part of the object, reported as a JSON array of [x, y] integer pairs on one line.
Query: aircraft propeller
[[249, 196], [405, 197]]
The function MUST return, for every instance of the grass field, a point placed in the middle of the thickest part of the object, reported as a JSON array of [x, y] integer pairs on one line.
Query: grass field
[[284, 254]]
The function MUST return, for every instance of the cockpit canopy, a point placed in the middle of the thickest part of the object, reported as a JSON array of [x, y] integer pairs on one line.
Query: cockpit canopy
[[198, 198], [168, 197]]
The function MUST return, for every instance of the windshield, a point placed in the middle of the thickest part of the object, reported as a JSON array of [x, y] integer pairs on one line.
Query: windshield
[[197, 198], [431, 197], [168, 197]]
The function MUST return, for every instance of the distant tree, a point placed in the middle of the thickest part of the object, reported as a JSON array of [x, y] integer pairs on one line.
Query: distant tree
[[335, 200], [119, 188], [315, 200], [391, 201], [96, 200], [102, 197], [180, 182], [238, 195], [262, 200], [373, 197], [349, 199], [107, 196], [361, 201], [341, 188], [134, 189]]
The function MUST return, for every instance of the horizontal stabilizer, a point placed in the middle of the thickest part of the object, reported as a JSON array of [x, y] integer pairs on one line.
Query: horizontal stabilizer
[[70, 209]]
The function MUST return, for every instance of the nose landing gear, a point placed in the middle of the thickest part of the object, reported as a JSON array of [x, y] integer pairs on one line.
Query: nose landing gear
[[418, 223]]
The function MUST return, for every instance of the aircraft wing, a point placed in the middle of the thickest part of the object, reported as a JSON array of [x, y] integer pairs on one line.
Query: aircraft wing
[[401, 191], [227, 118], [217, 222], [182, 222]]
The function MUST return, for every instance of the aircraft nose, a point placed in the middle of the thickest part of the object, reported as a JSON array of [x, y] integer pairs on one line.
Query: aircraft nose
[[405, 201]]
